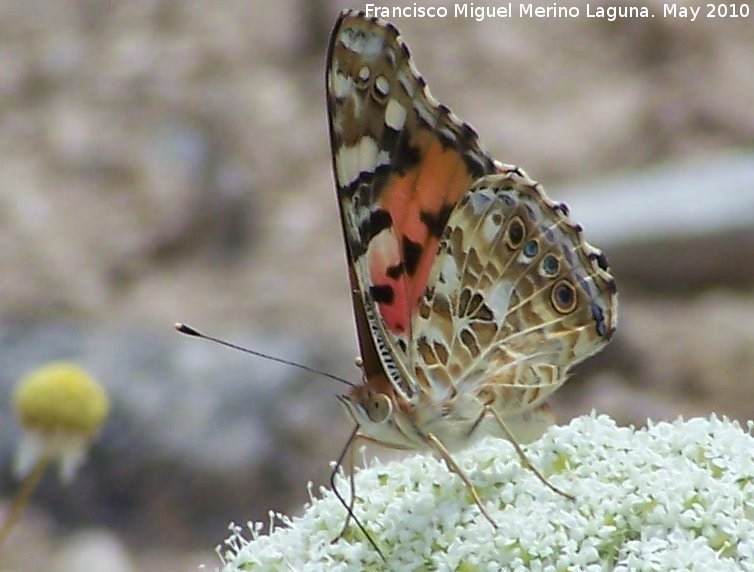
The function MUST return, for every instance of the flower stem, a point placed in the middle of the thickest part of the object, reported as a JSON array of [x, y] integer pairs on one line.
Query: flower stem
[[21, 499]]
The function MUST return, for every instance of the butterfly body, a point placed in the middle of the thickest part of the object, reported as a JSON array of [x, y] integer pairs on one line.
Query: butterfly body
[[474, 293]]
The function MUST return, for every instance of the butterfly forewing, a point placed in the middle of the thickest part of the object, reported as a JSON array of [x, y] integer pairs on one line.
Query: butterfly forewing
[[401, 162]]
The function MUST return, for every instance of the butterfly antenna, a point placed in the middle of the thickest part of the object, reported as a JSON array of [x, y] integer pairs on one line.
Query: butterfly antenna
[[189, 331]]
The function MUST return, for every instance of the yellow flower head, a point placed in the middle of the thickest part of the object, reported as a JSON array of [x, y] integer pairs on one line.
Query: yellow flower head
[[61, 409]]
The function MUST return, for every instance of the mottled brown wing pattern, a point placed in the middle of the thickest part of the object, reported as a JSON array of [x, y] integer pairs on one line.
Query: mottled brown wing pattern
[[515, 298]]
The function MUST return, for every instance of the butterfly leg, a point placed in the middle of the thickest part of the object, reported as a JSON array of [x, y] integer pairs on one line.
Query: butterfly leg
[[453, 466], [524, 459], [348, 450]]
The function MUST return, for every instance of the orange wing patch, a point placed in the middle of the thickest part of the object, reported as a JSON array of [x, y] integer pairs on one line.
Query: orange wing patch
[[419, 203]]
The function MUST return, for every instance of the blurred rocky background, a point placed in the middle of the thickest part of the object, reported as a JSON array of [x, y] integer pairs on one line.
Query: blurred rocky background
[[166, 161]]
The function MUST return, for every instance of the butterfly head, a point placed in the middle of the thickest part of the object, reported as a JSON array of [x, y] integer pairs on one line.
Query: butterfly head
[[367, 407], [381, 418]]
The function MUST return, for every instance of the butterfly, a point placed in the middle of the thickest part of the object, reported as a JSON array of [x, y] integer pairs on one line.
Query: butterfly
[[474, 294]]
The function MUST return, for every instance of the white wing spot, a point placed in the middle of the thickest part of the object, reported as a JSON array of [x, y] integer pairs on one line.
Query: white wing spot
[[499, 298], [480, 201], [451, 273], [340, 85], [424, 112], [395, 115], [365, 156], [408, 83], [390, 56], [368, 46], [383, 86], [489, 230]]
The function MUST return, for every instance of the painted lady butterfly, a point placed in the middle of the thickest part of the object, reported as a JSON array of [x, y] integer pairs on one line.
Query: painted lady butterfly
[[474, 293]]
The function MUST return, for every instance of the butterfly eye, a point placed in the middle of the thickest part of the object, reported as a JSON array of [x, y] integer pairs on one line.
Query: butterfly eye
[[563, 297], [531, 248], [514, 234], [378, 407], [550, 265]]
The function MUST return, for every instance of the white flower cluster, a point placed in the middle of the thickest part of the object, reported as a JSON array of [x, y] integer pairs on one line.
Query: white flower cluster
[[674, 496]]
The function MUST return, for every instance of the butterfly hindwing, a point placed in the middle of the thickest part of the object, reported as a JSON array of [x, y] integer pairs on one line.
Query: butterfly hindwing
[[516, 297]]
